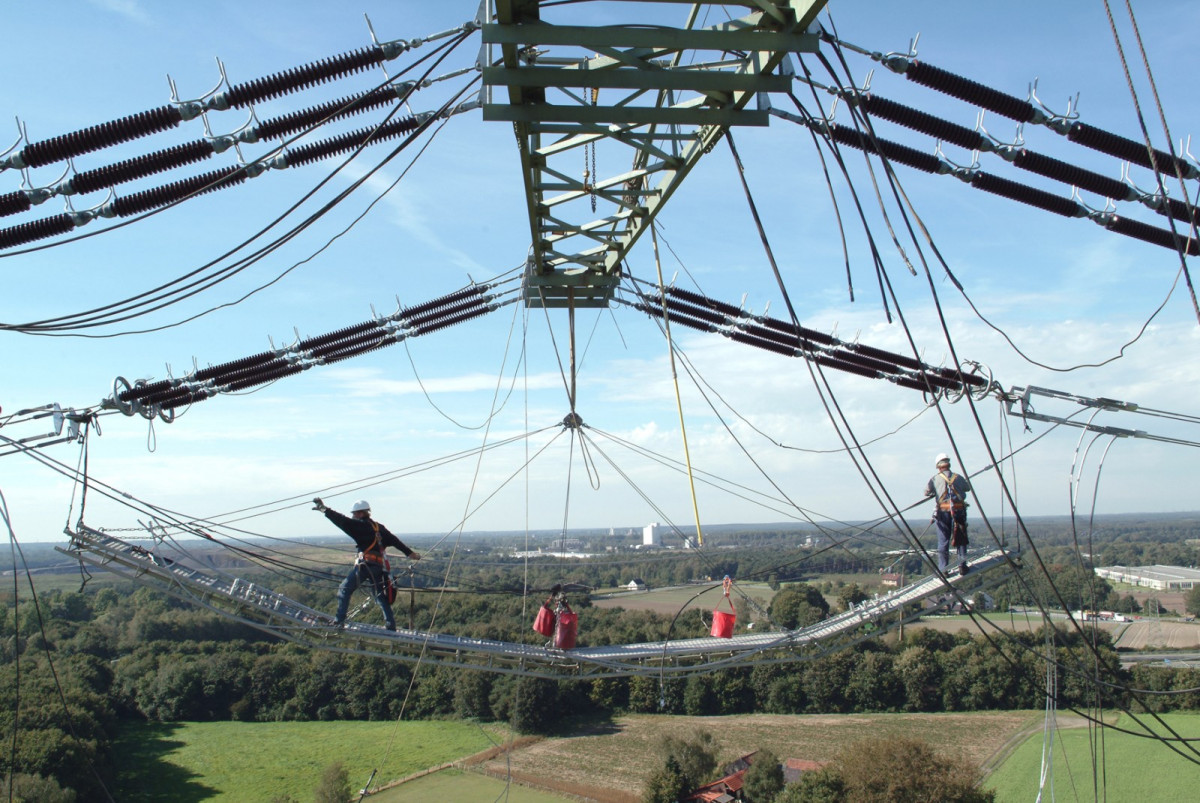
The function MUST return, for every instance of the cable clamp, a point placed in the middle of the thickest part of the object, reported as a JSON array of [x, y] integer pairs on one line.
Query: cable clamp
[[191, 109], [243, 133], [899, 62], [10, 156], [1042, 115]]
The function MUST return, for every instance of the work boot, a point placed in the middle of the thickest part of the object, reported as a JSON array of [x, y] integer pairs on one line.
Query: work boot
[[390, 627], [963, 568]]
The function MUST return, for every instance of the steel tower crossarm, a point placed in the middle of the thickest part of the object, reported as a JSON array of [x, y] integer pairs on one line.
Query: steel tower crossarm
[[670, 94]]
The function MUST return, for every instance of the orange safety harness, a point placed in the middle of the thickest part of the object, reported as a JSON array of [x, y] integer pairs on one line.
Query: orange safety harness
[[377, 553], [950, 500], [370, 554]]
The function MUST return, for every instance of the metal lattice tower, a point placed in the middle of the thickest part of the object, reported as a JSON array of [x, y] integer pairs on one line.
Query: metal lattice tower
[[650, 98]]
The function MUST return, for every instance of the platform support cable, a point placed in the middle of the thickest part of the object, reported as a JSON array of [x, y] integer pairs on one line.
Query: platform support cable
[[1049, 721], [429, 633], [1097, 733], [820, 382], [986, 444], [675, 380], [887, 218], [886, 155]]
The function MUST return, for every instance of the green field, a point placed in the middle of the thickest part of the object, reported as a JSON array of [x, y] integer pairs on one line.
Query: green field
[[1129, 768], [196, 761], [193, 762]]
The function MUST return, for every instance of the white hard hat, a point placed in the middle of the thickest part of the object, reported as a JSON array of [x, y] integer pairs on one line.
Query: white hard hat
[[361, 504], [942, 458]]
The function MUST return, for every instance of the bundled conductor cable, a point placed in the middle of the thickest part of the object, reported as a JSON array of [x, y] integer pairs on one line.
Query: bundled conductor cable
[[151, 398], [703, 314], [143, 124]]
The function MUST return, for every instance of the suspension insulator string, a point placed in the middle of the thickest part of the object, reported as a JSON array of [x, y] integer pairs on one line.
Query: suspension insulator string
[[675, 379]]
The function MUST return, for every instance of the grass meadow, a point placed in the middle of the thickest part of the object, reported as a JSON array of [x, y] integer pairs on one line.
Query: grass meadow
[[195, 761], [260, 761], [1127, 768]]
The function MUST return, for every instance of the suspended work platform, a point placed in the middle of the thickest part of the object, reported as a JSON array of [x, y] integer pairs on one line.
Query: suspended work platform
[[266, 610]]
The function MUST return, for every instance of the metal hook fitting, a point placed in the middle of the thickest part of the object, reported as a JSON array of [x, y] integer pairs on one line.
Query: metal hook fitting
[[1101, 216], [898, 62], [375, 41], [223, 142], [37, 195], [1043, 115], [961, 172], [1006, 150], [191, 109], [8, 156]]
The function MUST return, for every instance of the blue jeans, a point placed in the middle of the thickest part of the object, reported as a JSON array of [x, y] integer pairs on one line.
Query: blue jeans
[[952, 526], [361, 573]]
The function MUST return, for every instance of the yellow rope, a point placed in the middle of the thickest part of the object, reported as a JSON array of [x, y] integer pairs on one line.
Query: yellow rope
[[662, 292]]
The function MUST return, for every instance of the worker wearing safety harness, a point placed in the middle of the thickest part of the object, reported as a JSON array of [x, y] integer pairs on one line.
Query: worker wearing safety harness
[[372, 539], [950, 491]]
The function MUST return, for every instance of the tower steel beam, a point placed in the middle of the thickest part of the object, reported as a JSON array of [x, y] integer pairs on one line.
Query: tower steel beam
[[636, 107]]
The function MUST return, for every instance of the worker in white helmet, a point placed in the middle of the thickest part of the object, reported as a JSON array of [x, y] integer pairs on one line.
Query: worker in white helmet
[[950, 492], [372, 539]]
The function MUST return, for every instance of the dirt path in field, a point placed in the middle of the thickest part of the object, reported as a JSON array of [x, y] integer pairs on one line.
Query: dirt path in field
[[1061, 722]]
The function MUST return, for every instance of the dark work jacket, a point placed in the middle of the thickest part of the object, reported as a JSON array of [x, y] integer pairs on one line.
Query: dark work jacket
[[363, 533]]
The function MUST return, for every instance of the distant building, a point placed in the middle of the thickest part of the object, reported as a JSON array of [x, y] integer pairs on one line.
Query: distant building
[[636, 584], [793, 768], [891, 580], [729, 788], [981, 601], [1160, 578], [652, 534]]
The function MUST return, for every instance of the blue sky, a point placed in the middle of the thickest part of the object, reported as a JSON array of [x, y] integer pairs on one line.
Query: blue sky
[[1065, 291]]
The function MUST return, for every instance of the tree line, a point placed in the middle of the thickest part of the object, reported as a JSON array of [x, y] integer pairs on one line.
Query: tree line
[[78, 664]]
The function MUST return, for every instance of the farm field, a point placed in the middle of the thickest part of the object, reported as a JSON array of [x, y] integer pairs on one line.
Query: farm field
[[207, 761], [260, 761], [455, 784], [1136, 635], [1133, 768], [668, 601], [586, 759]]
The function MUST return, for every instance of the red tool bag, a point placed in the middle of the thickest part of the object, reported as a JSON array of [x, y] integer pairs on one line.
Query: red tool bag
[[722, 624], [545, 620], [566, 628]]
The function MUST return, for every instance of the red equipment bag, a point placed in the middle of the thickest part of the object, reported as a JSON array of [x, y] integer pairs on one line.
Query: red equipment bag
[[722, 624], [544, 623], [566, 628]]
